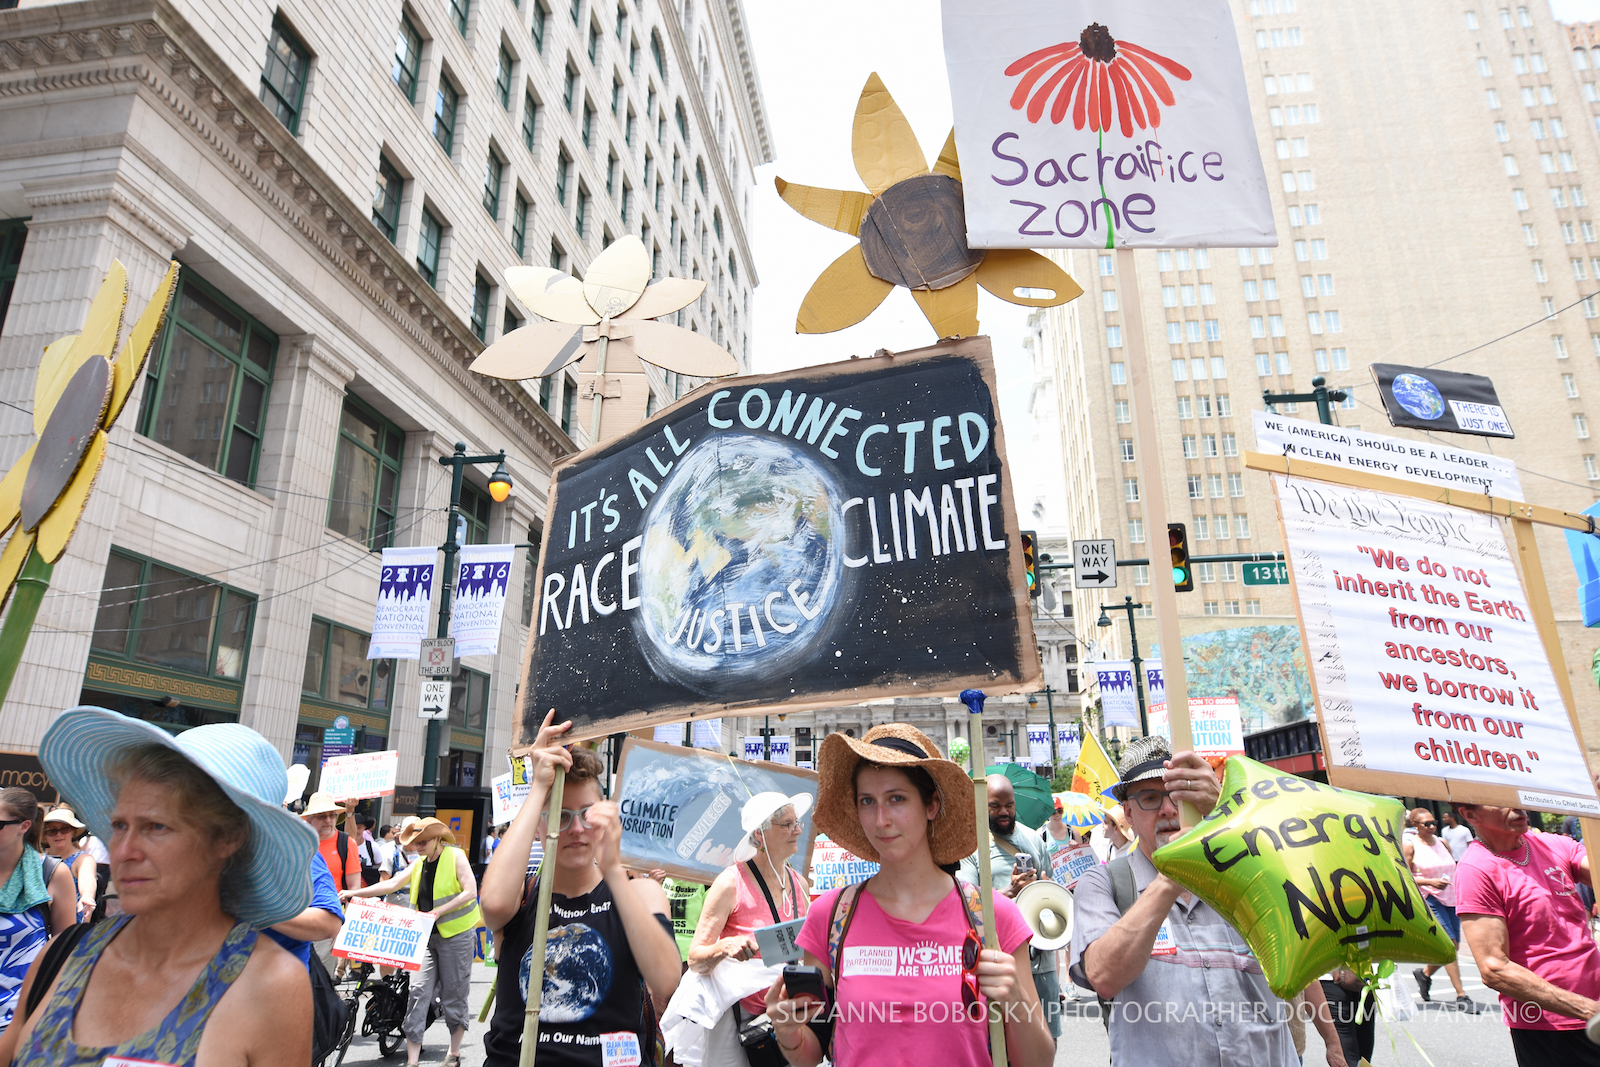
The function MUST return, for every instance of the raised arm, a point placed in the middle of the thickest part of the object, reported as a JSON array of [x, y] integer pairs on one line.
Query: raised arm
[[639, 902], [506, 877]]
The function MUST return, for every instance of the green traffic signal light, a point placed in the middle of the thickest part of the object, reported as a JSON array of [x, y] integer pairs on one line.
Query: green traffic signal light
[[1182, 570], [1030, 562]]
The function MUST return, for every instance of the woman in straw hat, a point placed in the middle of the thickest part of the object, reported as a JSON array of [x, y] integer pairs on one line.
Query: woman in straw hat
[[63, 838], [759, 889], [904, 956], [440, 883], [204, 856]]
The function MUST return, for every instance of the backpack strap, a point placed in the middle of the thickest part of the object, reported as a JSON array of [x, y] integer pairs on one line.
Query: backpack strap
[[342, 844], [762, 882], [51, 865], [844, 911], [50, 962], [972, 902], [1123, 890]]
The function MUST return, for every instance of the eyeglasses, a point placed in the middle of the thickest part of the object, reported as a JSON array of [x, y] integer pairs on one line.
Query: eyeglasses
[[11, 822], [969, 970], [569, 816], [1150, 800], [52, 831], [787, 825], [1430, 824]]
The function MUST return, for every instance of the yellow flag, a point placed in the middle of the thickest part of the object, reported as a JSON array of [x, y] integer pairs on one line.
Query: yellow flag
[[1093, 774]]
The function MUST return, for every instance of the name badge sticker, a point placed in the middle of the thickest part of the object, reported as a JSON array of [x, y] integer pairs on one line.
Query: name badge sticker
[[620, 1049], [1164, 945]]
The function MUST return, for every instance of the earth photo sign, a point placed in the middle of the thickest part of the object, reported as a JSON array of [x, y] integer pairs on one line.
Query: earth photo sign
[[786, 541]]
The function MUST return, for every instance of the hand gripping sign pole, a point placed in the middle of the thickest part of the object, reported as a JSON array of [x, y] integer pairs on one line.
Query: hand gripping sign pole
[[973, 699], [541, 923]]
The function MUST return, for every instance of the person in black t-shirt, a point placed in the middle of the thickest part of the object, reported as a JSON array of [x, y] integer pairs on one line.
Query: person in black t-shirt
[[610, 937]]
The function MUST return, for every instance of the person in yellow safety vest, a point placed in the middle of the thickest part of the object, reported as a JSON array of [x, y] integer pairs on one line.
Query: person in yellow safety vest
[[441, 884]]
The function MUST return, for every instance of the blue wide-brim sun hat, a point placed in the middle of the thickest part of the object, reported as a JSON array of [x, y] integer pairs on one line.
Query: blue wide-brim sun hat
[[277, 883]]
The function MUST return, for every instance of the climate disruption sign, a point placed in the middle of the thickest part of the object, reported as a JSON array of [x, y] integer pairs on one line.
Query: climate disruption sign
[[786, 541]]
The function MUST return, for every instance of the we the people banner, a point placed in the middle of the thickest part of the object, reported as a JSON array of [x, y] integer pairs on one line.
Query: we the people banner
[[834, 866], [1083, 124], [405, 597], [480, 598], [385, 934], [1430, 675], [362, 775], [788, 541], [1119, 700], [680, 806]]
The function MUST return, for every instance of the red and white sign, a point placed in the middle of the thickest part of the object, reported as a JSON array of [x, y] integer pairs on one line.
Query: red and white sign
[[363, 775], [834, 867], [385, 934], [1067, 865], [1214, 722]]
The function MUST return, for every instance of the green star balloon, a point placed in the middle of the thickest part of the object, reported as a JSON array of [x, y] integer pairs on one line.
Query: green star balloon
[[1311, 876]]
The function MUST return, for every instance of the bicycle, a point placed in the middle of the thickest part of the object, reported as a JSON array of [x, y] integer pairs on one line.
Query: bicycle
[[387, 997]]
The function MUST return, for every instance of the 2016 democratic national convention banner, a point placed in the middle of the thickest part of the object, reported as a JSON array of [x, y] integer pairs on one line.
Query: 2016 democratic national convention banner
[[786, 541], [1084, 124], [405, 593], [680, 806], [1430, 673], [480, 598]]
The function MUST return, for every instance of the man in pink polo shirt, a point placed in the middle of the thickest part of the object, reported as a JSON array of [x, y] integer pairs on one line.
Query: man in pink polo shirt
[[1517, 897]]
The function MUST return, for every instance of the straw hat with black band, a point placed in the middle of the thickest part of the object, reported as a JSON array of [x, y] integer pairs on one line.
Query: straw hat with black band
[[952, 835], [424, 830]]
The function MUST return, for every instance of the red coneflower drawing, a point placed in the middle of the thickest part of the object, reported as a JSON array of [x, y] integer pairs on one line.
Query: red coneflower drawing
[[1089, 74]]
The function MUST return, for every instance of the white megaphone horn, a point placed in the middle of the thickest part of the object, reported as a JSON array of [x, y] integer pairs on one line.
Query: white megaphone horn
[[1047, 909]]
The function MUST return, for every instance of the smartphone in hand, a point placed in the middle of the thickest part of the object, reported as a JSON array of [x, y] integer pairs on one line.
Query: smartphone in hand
[[804, 982]]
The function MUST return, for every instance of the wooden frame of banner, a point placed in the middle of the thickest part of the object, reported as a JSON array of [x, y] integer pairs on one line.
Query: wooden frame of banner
[[632, 743], [1523, 516]]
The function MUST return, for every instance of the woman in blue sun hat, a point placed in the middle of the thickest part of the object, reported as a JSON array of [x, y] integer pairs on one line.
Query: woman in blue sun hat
[[204, 857]]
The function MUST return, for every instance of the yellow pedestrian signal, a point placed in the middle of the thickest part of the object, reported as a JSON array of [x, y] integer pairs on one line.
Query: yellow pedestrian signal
[[1182, 570], [1030, 561]]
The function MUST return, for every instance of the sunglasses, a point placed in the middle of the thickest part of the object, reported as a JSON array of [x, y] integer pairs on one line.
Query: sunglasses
[[11, 822], [51, 831], [969, 970]]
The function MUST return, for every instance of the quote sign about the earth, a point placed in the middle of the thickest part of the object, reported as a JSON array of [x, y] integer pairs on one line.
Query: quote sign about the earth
[[789, 541]]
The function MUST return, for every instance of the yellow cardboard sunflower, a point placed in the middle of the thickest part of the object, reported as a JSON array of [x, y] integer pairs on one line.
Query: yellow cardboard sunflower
[[77, 397], [912, 227]]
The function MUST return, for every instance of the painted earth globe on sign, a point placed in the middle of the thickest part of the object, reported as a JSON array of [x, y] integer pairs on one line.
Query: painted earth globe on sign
[[742, 567], [577, 973], [1418, 396]]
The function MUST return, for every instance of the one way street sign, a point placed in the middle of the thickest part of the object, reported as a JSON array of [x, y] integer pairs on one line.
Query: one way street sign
[[1094, 564]]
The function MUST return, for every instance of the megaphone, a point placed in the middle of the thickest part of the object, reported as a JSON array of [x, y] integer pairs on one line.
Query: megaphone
[[1047, 909]]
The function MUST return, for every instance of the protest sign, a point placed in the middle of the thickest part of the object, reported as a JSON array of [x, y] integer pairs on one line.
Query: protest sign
[[1420, 461], [680, 806], [385, 934], [1074, 134], [834, 867], [1430, 673], [405, 595], [480, 598], [1213, 722], [1119, 700], [783, 542], [363, 775], [1427, 398], [506, 798], [1067, 865]]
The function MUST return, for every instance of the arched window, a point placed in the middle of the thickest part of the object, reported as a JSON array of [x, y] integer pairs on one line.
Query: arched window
[[716, 222], [683, 120], [700, 175], [657, 54]]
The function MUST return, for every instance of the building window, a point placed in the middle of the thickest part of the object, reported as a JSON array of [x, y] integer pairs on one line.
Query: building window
[[1212, 608], [1569, 385], [540, 16], [1119, 374], [1196, 487], [283, 77], [1560, 344], [1214, 485], [155, 614], [519, 227], [366, 476], [428, 242], [206, 390], [407, 58], [458, 14], [338, 671], [13, 236], [557, 258], [1236, 485], [1123, 412], [1241, 526], [1113, 336], [682, 118], [563, 164], [469, 698], [480, 308], [502, 78], [657, 54], [493, 173], [530, 122], [1591, 469], [1191, 446], [1136, 531], [445, 103], [1130, 490], [386, 199], [569, 402], [1580, 426], [1125, 448]]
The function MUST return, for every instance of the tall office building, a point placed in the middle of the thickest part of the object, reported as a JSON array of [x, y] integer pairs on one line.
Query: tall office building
[[344, 188], [1431, 172]]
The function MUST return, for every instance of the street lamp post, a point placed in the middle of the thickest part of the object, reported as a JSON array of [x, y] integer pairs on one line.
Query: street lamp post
[[1050, 709], [499, 489], [1320, 395], [1133, 637]]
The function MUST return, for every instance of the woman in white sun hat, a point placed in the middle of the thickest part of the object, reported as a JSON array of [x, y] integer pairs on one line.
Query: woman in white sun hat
[[758, 889], [204, 856], [64, 838]]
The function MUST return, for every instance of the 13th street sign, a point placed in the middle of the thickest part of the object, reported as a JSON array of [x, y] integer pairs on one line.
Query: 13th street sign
[[1266, 574], [1094, 564]]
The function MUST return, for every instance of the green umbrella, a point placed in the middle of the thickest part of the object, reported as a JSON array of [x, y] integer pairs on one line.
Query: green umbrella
[[1034, 803]]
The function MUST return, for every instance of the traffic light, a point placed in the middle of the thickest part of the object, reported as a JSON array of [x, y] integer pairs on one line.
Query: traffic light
[[1182, 569], [1030, 561]]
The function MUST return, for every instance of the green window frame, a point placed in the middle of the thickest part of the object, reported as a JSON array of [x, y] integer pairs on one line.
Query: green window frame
[[509, 322], [627, 130], [700, 174], [480, 308], [582, 222], [544, 391], [622, 23], [627, 203], [494, 170], [682, 118], [540, 15], [530, 122], [530, 571], [557, 258], [446, 104], [386, 199], [594, 42], [569, 90], [577, 12], [563, 164], [588, 125], [13, 236], [476, 509], [365, 496], [616, 97], [283, 75], [656, 54], [569, 402], [502, 78], [407, 59], [611, 174], [458, 14], [633, 56], [716, 222], [519, 225], [428, 242], [152, 612], [469, 699], [207, 386], [338, 673]]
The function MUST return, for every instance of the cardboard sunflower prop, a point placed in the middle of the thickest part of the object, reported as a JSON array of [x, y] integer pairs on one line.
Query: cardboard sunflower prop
[[912, 226]]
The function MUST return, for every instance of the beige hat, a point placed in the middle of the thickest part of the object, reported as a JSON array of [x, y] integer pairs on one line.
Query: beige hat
[[321, 804], [65, 815], [423, 831], [952, 836]]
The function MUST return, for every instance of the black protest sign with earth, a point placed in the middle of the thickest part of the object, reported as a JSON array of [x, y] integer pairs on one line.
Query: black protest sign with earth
[[788, 541]]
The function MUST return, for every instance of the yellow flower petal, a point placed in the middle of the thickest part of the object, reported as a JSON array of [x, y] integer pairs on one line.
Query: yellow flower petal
[[948, 162], [882, 143], [99, 338], [11, 561], [11, 489], [55, 529], [617, 276], [1005, 270], [130, 362], [665, 297], [952, 311], [553, 294], [837, 209], [842, 295]]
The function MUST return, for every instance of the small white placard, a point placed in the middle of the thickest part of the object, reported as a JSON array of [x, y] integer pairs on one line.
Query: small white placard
[[1529, 798], [435, 699], [1481, 418]]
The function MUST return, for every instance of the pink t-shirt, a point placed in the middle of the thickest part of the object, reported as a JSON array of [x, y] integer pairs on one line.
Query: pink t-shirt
[[1548, 930], [1434, 861], [899, 983], [750, 911]]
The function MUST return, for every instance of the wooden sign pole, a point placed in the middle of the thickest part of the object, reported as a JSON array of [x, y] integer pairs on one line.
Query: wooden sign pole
[[1147, 450]]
